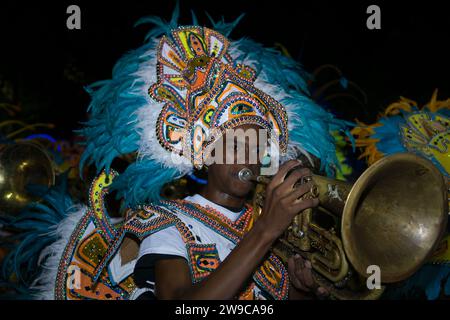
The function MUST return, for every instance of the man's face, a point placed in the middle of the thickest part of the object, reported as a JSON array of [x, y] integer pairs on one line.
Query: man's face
[[240, 149]]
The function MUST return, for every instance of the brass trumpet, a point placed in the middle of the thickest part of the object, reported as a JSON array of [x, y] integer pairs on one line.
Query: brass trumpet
[[393, 217]]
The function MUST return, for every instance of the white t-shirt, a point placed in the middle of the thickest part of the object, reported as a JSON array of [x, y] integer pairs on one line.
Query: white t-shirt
[[168, 241]]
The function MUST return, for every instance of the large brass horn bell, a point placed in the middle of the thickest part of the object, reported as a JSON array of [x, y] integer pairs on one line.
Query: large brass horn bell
[[395, 216], [22, 164]]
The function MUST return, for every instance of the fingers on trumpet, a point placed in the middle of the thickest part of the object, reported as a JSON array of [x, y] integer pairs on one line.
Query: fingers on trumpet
[[280, 177], [303, 192], [298, 177]]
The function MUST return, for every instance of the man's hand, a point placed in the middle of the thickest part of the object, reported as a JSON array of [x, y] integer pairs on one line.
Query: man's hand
[[284, 198], [300, 274]]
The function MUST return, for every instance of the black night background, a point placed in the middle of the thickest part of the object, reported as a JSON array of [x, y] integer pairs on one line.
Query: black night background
[[44, 66]]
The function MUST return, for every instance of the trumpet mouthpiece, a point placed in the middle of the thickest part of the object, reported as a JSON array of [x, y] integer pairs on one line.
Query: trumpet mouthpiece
[[245, 175]]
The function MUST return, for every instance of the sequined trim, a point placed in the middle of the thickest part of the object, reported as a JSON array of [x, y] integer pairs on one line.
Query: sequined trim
[[273, 278], [97, 192], [213, 219]]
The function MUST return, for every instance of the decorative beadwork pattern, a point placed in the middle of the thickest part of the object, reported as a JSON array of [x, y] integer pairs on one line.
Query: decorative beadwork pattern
[[203, 259], [97, 193], [102, 290], [92, 249], [66, 258], [428, 134], [80, 252], [213, 219], [272, 277], [139, 227]]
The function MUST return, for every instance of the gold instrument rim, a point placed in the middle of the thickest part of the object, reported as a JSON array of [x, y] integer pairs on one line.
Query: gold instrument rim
[[45, 154]]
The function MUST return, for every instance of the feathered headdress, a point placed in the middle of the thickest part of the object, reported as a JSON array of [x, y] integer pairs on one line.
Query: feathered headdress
[[404, 127], [198, 80]]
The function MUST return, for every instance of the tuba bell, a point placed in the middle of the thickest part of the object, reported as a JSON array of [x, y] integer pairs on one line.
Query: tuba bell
[[392, 218], [22, 164]]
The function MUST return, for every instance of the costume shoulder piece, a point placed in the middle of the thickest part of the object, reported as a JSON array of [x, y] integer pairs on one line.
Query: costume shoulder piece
[[92, 258]]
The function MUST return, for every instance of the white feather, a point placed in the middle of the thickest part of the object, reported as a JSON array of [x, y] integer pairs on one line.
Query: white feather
[[44, 285]]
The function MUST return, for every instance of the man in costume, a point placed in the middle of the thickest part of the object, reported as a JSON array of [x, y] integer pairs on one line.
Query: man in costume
[[171, 102]]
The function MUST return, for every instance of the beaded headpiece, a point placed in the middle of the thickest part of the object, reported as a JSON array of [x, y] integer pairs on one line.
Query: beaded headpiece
[[206, 92]]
